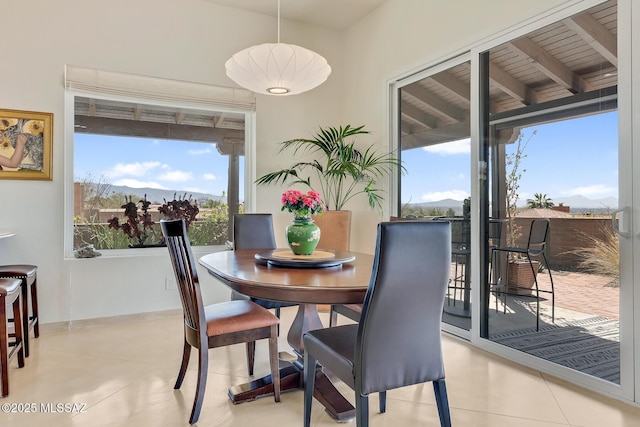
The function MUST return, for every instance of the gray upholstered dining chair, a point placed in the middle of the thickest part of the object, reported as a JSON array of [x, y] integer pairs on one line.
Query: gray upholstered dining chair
[[397, 341], [255, 231], [215, 325]]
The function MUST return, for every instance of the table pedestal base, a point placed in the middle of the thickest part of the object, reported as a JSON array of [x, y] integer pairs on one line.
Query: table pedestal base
[[291, 378]]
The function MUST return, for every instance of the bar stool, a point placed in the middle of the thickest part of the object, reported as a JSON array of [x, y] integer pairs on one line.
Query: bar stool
[[28, 277], [10, 294]]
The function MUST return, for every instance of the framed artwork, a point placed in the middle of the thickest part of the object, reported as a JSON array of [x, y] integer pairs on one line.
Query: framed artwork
[[25, 144]]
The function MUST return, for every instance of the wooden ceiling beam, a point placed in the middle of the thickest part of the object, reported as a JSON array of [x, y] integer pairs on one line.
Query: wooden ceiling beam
[[548, 65], [453, 85], [428, 98], [137, 112], [511, 86], [596, 35], [417, 115]]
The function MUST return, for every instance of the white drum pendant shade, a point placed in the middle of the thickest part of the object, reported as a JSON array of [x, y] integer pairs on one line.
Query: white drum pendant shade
[[277, 69]]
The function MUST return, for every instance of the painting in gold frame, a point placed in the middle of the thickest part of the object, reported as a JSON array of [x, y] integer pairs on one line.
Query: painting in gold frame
[[25, 145]]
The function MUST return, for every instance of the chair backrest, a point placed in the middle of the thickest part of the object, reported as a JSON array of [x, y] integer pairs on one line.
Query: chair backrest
[[538, 236], [253, 231], [398, 339], [184, 267]]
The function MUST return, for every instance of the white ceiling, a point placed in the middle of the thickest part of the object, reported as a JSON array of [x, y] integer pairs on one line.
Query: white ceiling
[[335, 14]]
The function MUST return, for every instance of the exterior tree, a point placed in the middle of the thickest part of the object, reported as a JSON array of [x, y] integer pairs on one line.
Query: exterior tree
[[514, 173], [540, 201]]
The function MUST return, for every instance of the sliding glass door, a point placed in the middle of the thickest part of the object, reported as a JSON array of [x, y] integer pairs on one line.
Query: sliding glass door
[[547, 150], [434, 144]]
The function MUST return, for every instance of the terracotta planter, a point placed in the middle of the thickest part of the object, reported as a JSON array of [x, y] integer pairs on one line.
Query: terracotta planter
[[335, 227], [520, 275]]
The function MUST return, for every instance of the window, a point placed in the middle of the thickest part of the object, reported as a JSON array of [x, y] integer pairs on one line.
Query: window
[[144, 142], [141, 153]]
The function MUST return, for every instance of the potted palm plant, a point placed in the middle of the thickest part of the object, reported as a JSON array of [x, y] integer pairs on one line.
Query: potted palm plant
[[334, 167], [342, 170]]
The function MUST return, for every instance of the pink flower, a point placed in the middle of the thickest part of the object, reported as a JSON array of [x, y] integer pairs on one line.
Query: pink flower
[[301, 204]]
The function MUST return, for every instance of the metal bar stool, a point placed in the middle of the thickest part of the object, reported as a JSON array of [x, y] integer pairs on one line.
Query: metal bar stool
[[28, 277], [10, 294]]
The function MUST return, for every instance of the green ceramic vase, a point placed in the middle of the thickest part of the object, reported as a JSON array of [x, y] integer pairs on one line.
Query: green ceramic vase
[[303, 236]]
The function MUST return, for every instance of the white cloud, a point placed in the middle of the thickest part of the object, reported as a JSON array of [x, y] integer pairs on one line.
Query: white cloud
[[176, 176], [592, 190], [131, 169], [199, 152], [461, 146], [134, 183], [440, 195], [209, 177]]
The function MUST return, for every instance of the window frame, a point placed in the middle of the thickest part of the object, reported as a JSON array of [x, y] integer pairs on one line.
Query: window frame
[[70, 95]]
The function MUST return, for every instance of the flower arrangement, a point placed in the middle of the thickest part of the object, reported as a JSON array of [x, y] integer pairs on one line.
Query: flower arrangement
[[301, 204]]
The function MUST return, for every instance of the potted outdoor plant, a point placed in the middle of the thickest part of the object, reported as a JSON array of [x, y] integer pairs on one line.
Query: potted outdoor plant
[[519, 273], [337, 169]]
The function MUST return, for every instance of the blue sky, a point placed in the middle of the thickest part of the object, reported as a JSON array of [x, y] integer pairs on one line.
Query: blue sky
[[141, 162], [572, 157]]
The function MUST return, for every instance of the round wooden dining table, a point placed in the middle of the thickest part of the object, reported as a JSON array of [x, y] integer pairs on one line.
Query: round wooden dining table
[[306, 285]]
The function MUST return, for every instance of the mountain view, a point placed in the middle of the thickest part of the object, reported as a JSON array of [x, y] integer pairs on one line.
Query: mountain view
[[578, 204], [157, 196]]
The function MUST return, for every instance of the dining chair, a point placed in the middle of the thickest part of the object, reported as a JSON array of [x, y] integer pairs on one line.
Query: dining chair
[[397, 341], [255, 231], [10, 295], [534, 251], [28, 276], [354, 311], [216, 325]]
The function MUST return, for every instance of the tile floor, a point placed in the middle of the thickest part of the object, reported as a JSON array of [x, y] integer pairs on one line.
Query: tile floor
[[121, 373]]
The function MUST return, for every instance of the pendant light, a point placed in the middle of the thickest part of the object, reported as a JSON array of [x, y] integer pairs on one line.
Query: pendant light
[[277, 68]]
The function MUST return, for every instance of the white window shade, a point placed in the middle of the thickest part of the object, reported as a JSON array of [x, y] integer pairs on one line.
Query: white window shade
[[92, 81]]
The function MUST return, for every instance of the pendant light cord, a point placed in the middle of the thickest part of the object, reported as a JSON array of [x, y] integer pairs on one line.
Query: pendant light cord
[[278, 21]]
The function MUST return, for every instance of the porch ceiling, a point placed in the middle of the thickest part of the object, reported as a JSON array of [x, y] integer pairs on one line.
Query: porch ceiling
[[574, 56]]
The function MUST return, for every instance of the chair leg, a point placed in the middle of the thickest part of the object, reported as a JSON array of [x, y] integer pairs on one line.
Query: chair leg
[[440, 390], [34, 309], [4, 347], [553, 294], [535, 282], [186, 352], [251, 356], [362, 409], [309, 383], [382, 397], [203, 362], [4, 340], [273, 360], [333, 317], [24, 289], [20, 338]]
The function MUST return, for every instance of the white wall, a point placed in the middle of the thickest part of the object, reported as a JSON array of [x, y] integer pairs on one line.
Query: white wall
[[184, 40], [190, 40]]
